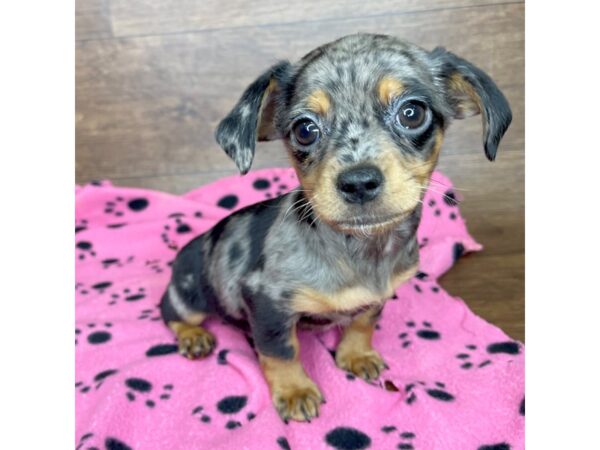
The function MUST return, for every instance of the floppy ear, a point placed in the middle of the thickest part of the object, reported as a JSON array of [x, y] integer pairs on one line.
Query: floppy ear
[[471, 91], [252, 118]]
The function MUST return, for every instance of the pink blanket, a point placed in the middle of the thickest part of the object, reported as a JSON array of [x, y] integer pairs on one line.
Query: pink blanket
[[455, 381]]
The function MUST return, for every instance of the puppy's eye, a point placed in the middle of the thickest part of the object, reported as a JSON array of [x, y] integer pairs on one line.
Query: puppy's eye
[[412, 114], [306, 132]]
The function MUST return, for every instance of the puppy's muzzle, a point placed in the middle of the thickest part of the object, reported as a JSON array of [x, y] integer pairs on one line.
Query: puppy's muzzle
[[360, 184]]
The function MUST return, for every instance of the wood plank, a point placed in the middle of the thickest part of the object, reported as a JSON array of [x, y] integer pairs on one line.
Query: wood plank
[[92, 19], [143, 17], [493, 287], [148, 106], [493, 197]]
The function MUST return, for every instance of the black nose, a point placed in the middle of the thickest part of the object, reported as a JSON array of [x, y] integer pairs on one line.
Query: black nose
[[361, 184]]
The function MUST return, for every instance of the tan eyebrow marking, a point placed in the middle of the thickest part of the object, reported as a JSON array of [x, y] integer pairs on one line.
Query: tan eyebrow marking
[[388, 88], [319, 102]]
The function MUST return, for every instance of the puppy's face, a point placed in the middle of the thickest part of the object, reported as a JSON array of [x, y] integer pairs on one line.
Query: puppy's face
[[363, 121]]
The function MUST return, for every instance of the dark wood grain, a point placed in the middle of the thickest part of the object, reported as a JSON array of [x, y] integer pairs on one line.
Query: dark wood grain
[[154, 78], [143, 17]]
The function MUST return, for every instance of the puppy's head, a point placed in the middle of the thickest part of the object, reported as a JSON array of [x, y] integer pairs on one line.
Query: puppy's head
[[363, 120]]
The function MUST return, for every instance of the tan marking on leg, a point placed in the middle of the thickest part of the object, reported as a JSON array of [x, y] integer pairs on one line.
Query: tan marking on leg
[[389, 88], [355, 353], [319, 102], [194, 341], [295, 396]]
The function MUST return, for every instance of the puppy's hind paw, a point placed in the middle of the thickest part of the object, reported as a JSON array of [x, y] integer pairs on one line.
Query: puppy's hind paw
[[195, 342]]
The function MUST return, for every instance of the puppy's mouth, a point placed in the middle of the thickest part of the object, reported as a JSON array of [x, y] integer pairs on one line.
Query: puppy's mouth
[[370, 225]]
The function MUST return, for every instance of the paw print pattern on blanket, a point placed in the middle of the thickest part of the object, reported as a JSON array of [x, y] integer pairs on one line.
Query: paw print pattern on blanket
[[176, 225], [97, 381], [141, 388], [470, 358], [89, 441], [231, 407], [152, 314], [85, 249], [424, 332], [407, 438], [93, 335], [437, 391], [116, 295], [118, 206], [109, 263], [134, 391]]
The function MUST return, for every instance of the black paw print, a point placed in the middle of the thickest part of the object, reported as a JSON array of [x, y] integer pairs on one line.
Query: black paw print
[[468, 360], [196, 412], [114, 207], [101, 286], [231, 405], [96, 335], [118, 206], [424, 242], [271, 188], [83, 439], [156, 265], [420, 287], [145, 314], [142, 387], [98, 380], [406, 436], [179, 227], [426, 333], [228, 406], [85, 248], [115, 262], [81, 226], [407, 439], [436, 392], [81, 289], [128, 295]]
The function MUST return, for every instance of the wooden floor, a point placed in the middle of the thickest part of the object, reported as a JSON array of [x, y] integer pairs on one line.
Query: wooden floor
[[154, 78]]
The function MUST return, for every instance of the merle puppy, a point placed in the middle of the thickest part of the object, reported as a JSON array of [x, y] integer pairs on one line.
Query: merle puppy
[[363, 120]]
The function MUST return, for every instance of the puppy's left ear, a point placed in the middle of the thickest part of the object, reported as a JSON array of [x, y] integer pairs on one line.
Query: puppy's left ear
[[252, 118], [470, 91]]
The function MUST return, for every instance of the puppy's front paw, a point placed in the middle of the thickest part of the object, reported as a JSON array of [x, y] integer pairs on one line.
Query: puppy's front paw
[[367, 365], [299, 402], [195, 342]]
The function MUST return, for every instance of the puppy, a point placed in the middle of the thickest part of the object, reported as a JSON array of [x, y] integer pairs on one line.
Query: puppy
[[362, 119]]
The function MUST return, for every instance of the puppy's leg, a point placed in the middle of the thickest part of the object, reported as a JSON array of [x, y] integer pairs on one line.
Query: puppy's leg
[[354, 352], [294, 394], [194, 341]]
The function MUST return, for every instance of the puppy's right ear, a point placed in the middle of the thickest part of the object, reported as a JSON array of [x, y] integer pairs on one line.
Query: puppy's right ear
[[252, 118]]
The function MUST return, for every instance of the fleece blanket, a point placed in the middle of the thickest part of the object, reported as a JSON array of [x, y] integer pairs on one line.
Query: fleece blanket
[[454, 381]]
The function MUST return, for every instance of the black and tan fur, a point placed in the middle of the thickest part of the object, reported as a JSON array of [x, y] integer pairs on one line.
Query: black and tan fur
[[333, 250]]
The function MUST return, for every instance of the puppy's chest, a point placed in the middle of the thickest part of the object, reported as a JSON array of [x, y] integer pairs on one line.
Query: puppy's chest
[[320, 321], [343, 302], [309, 301]]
